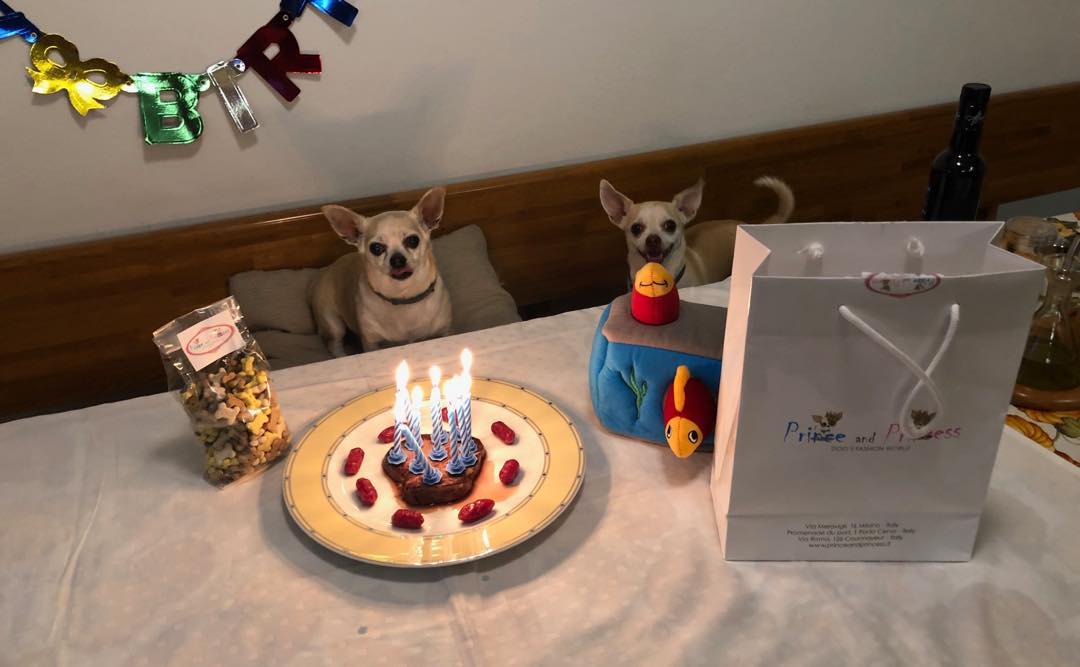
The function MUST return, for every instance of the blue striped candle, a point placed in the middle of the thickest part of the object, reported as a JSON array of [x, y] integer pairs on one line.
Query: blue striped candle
[[431, 474], [457, 445], [467, 449], [415, 401], [396, 455], [438, 435]]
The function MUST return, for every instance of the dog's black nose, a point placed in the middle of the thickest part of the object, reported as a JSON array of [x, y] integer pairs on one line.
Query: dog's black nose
[[397, 260], [653, 243]]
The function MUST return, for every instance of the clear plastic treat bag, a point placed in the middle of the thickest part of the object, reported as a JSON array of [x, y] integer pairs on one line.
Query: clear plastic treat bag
[[223, 382]]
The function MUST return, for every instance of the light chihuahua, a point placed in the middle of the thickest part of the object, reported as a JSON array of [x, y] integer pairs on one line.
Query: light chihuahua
[[388, 292], [658, 231]]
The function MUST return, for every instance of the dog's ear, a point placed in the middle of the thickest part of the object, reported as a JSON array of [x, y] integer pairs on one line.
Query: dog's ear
[[348, 224], [429, 210], [616, 204], [689, 200]]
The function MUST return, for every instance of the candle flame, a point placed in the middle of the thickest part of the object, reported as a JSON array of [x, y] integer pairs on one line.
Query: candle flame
[[417, 396], [399, 410], [466, 361], [402, 375], [436, 378]]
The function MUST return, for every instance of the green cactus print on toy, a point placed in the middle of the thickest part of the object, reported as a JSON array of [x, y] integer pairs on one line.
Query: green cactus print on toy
[[639, 389]]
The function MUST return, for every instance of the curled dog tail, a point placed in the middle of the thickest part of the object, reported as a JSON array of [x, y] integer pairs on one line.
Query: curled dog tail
[[784, 194]]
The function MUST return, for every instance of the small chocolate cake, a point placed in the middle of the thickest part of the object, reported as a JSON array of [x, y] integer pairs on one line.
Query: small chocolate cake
[[449, 489]]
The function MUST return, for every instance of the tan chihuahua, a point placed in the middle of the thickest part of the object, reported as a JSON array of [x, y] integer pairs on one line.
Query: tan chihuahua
[[388, 292], [658, 231]]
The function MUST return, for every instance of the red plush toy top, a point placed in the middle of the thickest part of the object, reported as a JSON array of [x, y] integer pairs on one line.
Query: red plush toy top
[[654, 298]]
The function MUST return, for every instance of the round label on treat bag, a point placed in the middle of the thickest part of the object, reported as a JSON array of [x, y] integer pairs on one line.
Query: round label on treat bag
[[209, 340]]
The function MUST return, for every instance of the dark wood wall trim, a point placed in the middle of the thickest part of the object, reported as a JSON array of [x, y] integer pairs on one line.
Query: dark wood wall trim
[[80, 316]]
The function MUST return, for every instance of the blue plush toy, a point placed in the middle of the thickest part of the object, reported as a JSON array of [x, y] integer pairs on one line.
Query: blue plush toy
[[634, 359]]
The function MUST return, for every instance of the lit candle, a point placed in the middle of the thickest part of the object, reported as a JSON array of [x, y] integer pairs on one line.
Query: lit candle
[[456, 465], [466, 395], [401, 414], [414, 412], [416, 441], [401, 377], [453, 397], [466, 450], [431, 474], [438, 435], [396, 455]]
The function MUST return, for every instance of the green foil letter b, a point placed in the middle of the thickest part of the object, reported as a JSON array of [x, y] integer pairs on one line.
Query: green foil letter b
[[169, 103]]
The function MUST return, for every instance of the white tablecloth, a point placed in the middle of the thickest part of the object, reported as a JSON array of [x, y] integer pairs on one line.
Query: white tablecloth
[[114, 551]]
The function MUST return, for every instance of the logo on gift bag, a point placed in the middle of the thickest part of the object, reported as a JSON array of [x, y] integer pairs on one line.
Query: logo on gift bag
[[920, 418], [823, 430], [901, 285]]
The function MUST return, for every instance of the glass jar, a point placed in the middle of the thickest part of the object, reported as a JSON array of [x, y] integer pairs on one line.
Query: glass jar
[[1050, 359], [1031, 237]]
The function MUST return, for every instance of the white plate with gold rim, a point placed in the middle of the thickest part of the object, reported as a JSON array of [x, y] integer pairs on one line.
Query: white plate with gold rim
[[323, 501]]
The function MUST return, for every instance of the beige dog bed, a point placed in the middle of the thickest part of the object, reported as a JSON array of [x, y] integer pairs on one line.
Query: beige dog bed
[[277, 311]]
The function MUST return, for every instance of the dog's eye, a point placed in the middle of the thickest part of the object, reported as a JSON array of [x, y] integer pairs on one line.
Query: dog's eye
[[412, 242], [377, 249], [669, 226], [637, 228]]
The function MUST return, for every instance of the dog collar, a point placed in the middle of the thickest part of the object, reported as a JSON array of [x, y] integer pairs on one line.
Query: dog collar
[[405, 301]]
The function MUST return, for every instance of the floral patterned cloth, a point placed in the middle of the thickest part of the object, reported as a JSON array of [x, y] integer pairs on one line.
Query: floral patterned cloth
[[1057, 431]]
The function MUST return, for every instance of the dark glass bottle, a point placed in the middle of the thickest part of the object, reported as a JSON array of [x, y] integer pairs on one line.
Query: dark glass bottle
[[956, 174]]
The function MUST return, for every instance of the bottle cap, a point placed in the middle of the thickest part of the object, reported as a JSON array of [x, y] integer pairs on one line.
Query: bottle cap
[[974, 97]]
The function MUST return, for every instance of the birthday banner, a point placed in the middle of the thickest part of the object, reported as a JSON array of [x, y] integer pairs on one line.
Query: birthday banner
[[169, 101]]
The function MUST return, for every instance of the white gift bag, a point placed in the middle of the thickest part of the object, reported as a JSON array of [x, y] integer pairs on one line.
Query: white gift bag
[[866, 375]]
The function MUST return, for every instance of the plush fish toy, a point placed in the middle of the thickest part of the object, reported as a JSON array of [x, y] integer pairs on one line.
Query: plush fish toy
[[654, 298], [689, 413]]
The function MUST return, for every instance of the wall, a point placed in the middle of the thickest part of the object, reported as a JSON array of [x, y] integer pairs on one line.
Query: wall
[[429, 91]]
